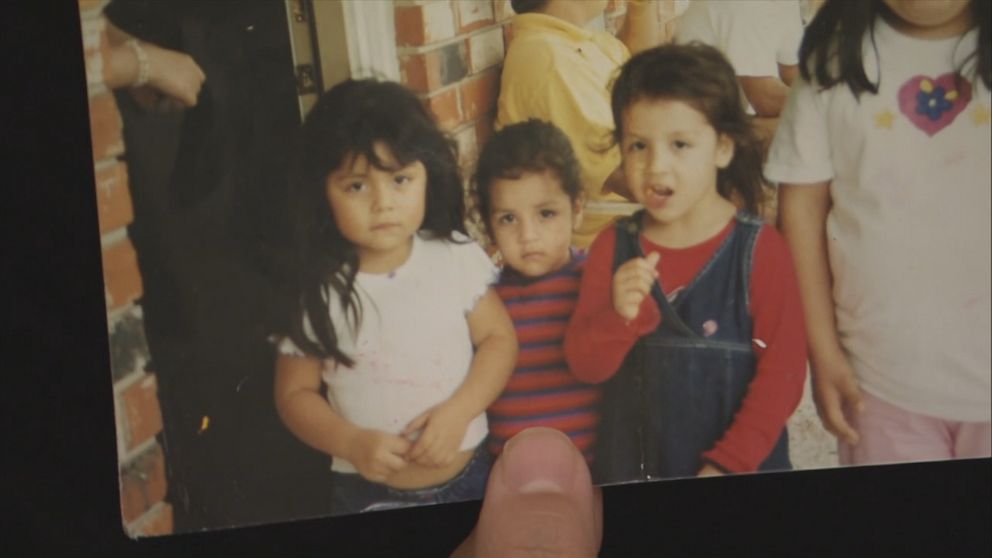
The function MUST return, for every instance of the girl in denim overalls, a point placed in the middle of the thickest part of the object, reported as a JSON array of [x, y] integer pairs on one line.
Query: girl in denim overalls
[[689, 310]]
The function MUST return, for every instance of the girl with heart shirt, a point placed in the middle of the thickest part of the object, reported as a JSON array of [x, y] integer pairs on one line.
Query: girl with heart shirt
[[884, 197]]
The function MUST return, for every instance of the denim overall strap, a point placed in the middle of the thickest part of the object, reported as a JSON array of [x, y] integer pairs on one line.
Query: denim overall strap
[[680, 387]]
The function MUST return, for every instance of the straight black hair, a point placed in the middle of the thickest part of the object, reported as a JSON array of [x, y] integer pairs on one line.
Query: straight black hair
[[700, 76], [832, 52], [349, 120]]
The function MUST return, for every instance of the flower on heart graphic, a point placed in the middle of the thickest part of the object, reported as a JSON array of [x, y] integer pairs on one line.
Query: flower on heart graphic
[[932, 104], [933, 101]]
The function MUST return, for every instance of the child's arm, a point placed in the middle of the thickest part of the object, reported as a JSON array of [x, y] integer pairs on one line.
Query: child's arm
[[779, 345], [376, 454], [802, 219], [640, 30], [599, 335], [444, 425]]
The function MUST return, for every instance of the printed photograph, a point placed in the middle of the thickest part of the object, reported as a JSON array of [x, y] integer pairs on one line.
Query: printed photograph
[[352, 249]]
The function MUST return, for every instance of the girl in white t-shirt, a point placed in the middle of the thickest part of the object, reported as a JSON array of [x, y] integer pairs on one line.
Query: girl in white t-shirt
[[395, 316], [882, 158]]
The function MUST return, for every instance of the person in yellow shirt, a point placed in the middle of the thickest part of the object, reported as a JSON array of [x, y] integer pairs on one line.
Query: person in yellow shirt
[[559, 70]]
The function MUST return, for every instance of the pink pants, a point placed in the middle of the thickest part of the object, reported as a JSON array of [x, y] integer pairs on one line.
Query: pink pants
[[890, 434]]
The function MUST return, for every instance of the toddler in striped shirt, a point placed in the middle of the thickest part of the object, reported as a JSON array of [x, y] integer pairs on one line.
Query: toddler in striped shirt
[[529, 193]]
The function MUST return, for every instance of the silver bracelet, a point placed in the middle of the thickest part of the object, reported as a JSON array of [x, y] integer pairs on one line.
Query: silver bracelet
[[142, 56]]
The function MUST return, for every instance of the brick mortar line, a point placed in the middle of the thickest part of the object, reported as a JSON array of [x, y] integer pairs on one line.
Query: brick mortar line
[[143, 449], [414, 50], [132, 378], [95, 88], [444, 89], [142, 520], [113, 238], [105, 163], [130, 456], [92, 12], [463, 126], [117, 314]]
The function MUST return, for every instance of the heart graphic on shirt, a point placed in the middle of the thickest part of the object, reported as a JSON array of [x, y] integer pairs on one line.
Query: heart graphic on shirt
[[932, 104]]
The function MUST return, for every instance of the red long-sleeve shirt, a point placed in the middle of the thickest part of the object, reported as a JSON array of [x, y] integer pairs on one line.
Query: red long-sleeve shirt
[[598, 339]]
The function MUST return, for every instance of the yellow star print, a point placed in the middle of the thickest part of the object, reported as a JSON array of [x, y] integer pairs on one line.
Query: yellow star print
[[981, 115], [884, 119]]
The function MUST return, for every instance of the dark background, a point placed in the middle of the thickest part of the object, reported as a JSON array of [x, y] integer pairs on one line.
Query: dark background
[[59, 454]]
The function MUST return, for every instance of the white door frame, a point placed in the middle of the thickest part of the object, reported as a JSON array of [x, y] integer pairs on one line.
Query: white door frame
[[371, 37]]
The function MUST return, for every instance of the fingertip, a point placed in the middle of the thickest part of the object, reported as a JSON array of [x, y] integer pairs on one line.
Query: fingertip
[[539, 499], [539, 459], [851, 437]]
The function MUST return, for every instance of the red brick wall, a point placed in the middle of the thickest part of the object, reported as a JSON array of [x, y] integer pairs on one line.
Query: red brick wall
[[450, 53], [141, 461]]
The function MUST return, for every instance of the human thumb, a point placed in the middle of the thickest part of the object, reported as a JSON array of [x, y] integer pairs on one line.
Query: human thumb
[[539, 502]]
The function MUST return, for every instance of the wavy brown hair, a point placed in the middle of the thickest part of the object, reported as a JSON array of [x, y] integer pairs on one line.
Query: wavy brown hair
[[700, 76], [533, 146]]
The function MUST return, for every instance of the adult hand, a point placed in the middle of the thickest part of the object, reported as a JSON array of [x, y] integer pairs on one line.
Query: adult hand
[[539, 502], [174, 74], [171, 73]]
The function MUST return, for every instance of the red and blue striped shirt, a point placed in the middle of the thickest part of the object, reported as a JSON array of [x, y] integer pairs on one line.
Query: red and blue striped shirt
[[542, 391]]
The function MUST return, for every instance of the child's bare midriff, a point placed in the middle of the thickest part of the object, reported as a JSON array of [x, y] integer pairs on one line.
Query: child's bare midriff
[[415, 476]]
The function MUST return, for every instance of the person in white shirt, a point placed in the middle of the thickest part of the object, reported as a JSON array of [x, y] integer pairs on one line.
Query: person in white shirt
[[760, 38], [882, 159], [395, 315]]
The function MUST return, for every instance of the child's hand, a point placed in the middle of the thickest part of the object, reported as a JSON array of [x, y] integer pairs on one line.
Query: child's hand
[[835, 391], [378, 455], [632, 283], [441, 431]]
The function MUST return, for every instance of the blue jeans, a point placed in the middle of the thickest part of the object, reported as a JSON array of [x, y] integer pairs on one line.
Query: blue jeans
[[351, 493]]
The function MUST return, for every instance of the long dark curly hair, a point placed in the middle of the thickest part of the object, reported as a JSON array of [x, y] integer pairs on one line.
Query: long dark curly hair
[[348, 121]]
